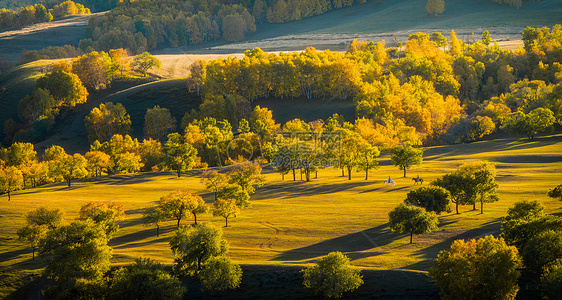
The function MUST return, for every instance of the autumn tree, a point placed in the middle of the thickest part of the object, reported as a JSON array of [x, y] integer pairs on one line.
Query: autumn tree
[[332, 276], [158, 123], [225, 208], [537, 121], [107, 120], [145, 61], [455, 45], [154, 282], [179, 155], [103, 214], [40, 103], [43, 216], [432, 198], [11, 179], [32, 235], [214, 181], [94, 70], [66, 88], [406, 156], [97, 162], [120, 58], [483, 269], [180, 204], [486, 38], [194, 246], [411, 219], [220, 274], [247, 175], [541, 250], [435, 7]]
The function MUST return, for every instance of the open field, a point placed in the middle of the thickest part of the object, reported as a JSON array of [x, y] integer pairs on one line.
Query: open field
[[295, 223]]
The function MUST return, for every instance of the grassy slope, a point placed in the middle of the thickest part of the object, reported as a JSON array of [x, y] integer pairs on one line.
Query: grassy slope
[[294, 223]]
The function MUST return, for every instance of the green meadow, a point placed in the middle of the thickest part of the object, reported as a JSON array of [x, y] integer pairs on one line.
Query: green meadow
[[293, 223]]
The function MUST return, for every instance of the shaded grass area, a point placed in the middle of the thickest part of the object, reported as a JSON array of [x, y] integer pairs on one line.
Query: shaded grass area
[[293, 223]]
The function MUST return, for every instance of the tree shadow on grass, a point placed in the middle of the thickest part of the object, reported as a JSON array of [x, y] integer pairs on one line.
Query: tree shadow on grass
[[302, 188], [140, 244], [430, 253], [353, 244], [140, 235]]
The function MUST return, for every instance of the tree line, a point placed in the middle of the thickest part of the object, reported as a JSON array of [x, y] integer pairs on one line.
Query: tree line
[[38, 13]]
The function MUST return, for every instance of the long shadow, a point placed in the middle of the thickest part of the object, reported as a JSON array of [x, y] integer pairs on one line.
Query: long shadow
[[430, 253], [303, 188], [9, 255], [506, 145], [352, 243], [139, 235], [140, 244]]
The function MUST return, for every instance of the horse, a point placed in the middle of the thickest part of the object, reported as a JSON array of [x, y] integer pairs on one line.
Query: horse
[[417, 180], [389, 182]]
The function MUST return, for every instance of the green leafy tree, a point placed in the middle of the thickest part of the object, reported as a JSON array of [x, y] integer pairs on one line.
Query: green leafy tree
[[542, 250], [194, 246], [537, 121], [432, 198], [42, 216], [97, 162], [73, 167], [236, 192], [411, 219], [551, 282], [153, 215], [107, 120], [145, 279], [406, 156], [144, 62], [103, 214], [483, 269], [438, 39], [66, 258], [179, 154], [11, 179], [32, 235], [225, 208], [367, 158], [220, 274], [435, 7], [458, 186], [40, 103], [247, 175], [556, 192], [158, 123], [332, 276], [482, 177]]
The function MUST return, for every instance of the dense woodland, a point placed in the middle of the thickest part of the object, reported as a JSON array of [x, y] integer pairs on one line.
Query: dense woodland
[[38, 13]]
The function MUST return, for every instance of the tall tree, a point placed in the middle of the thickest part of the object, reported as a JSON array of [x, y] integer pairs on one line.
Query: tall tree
[[214, 181], [154, 215], [179, 155], [367, 158], [482, 176], [220, 274], [180, 204], [406, 156], [432, 198], [94, 70], [247, 175], [66, 88], [194, 246], [103, 214], [459, 186], [411, 219]]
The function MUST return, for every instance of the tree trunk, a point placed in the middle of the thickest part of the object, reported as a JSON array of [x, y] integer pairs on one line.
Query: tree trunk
[[157, 230], [282, 178], [342, 172], [316, 175], [457, 206], [68, 182], [481, 207], [411, 235], [367, 174], [226, 222], [9, 198], [215, 196], [404, 172], [179, 219], [294, 175], [179, 172], [348, 173], [195, 217], [33, 251]]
